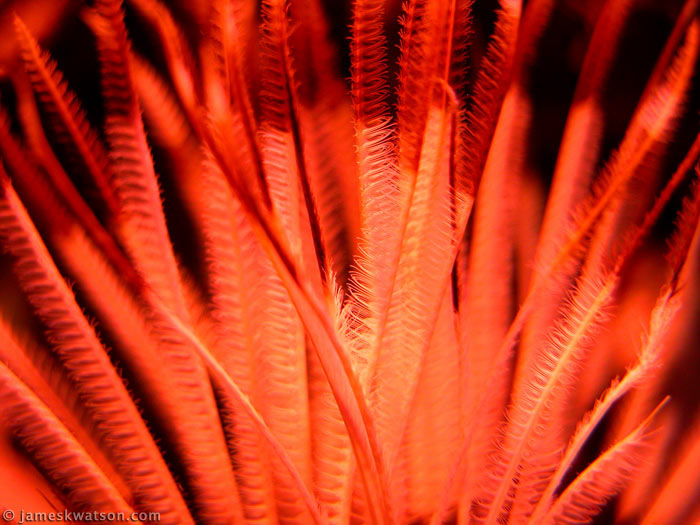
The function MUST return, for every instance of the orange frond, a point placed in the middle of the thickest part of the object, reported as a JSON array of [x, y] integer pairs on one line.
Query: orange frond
[[528, 419], [69, 124], [177, 53], [141, 223], [603, 478], [664, 312], [42, 436], [240, 316], [170, 377], [113, 412]]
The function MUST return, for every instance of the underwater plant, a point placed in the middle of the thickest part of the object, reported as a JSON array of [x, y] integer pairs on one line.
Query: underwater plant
[[444, 270]]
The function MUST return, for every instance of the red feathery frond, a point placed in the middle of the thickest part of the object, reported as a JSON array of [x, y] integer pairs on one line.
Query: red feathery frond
[[177, 53], [286, 311], [606, 476], [166, 369], [141, 224], [55, 451], [36, 368], [87, 363], [69, 124], [662, 315], [240, 314], [527, 421], [578, 153]]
